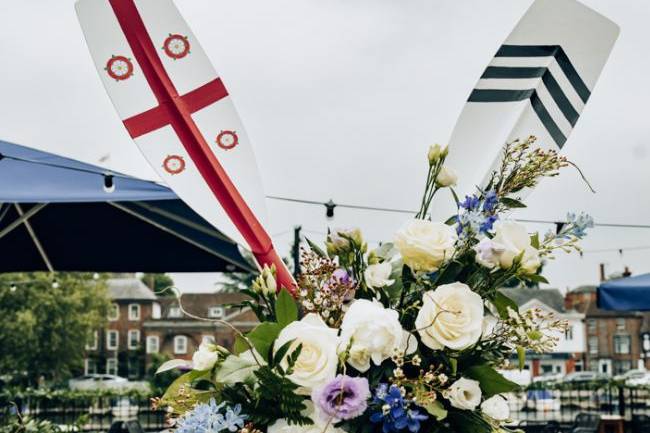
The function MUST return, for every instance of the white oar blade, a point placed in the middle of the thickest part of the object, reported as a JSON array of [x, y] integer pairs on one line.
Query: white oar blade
[[537, 84], [195, 82]]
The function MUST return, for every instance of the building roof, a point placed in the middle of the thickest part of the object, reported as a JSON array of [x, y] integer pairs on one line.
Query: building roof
[[199, 304], [129, 289], [594, 311], [551, 297]]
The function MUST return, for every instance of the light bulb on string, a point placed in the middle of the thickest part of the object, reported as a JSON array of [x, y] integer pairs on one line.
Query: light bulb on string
[[55, 284], [95, 276], [109, 183], [329, 209], [13, 288]]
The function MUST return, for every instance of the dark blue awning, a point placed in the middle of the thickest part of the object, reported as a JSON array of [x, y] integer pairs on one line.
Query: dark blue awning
[[57, 214], [625, 294]]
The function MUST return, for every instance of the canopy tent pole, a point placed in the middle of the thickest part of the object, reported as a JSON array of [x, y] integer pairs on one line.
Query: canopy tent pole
[[23, 217], [32, 234]]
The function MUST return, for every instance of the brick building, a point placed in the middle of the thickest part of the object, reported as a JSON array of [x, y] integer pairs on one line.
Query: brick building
[[568, 355], [141, 325], [614, 338]]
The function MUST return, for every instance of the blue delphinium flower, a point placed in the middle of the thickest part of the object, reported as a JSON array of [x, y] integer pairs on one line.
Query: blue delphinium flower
[[208, 418], [471, 202], [394, 411], [579, 224], [490, 202]]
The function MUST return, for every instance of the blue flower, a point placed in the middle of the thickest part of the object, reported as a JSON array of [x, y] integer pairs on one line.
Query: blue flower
[[471, 202], [578, 224], [207, 418], [394, 411], [490, 202]]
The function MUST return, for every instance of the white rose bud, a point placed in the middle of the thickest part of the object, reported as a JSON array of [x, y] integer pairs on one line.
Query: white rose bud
[[265, 283], [435, 152], [425, 245], [515, 241], [378, 275], [205, 358], [451, 316], [446, 177], [374, 333], [464, 394], [496, 407]]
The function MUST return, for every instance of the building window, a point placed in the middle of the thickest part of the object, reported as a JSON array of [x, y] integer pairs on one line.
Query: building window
[[111, 366], [92, 345], [593, 345], [180, 345], [90, 366], [153, 344], [134, 338], [155, 310], [579, 365], [175, 312], [215, 312], [134, 369], [568, 333], [620, 324], [134, 311], [114, 312], [112, 339], [623, 366], [591, 326], [622, 344]]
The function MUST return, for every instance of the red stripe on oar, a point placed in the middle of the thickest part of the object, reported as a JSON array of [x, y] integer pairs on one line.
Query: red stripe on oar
[[180, 118], [159, 116]]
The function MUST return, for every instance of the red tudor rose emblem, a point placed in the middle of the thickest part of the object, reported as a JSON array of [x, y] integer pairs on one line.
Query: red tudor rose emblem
[[174, 164], [227, 139], [176, 46], [119, 68]]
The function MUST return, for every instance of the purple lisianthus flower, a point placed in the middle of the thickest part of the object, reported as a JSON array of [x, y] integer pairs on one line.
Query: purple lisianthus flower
[[344, 397]]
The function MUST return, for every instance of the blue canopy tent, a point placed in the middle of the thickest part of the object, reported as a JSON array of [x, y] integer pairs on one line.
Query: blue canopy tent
[[58, 214], [625, 294]]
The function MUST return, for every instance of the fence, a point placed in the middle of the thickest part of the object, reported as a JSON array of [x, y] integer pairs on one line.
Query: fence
[[563, 402], [97, 413]]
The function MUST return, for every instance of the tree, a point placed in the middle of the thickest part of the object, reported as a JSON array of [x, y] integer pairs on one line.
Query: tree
[[158, 283], [46, 321]]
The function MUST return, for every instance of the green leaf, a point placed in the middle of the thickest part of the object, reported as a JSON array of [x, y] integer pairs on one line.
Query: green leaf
[[434, 407], [464, 421], [502, 302], [240, 345], [183, 381], [315, 248], [521, 356], [492, 382], [452, 220], [454, 365], [235, 369], [286, 310], [279, 352], [511, 203], [534, 240], [535, 278], [263, 336]]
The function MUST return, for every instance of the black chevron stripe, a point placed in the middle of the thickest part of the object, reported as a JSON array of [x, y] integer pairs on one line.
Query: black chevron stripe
[[549, 50], [502, 95]]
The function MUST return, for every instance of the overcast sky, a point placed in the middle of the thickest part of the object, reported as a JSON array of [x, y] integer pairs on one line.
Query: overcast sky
[[341, 99]]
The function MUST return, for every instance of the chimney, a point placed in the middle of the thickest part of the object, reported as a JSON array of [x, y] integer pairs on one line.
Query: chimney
[[602, 272]]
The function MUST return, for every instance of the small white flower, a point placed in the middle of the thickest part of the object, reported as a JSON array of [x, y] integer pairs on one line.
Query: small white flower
[[464, 394], [488, 253], [205, 357], [451, 316], [378, 275], [515, 241], [373, 333], [446, 177], [425, 245], [496, 407]]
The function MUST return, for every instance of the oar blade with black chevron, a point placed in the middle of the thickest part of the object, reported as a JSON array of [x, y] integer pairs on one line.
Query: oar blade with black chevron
[[538, 83]]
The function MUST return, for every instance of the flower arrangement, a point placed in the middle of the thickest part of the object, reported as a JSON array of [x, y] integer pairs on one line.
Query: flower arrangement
[[409, 336]]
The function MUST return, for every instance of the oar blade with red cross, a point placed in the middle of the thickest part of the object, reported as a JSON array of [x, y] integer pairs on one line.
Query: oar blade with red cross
[[177, 110]]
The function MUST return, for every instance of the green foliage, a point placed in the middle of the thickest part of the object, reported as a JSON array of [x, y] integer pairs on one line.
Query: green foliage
[[15, 422], [263, 336], [44, 327], [492, 382], [160, 382], [286, 309], [158, 283]]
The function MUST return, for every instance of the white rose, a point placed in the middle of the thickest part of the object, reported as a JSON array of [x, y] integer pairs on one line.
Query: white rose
[[374, 332], [318, 358], [446, 177], [205, 358], [451, 316], [464, 394], [496, 407], [425, 245], [488, 253], [378, 275], [515, 240]]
